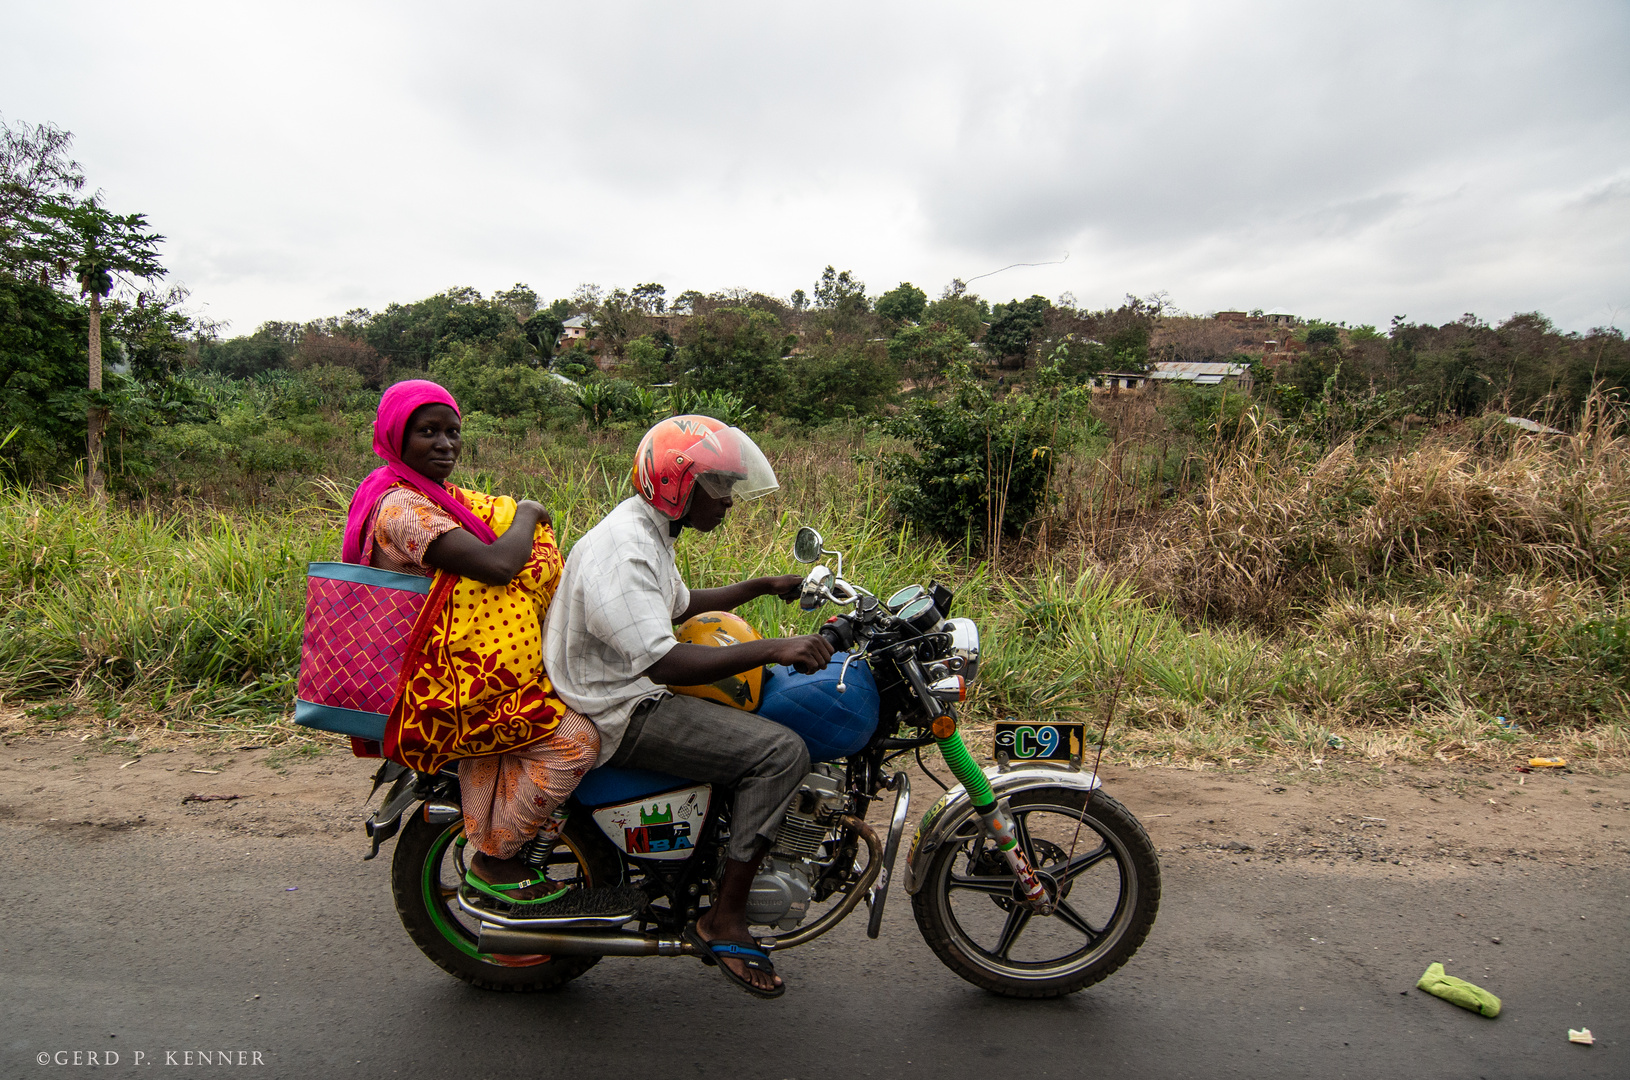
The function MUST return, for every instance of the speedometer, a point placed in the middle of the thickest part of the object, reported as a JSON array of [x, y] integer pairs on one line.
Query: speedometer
[[902, 598]]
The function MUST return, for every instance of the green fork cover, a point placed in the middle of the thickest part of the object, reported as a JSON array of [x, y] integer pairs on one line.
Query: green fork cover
[[967, 771]]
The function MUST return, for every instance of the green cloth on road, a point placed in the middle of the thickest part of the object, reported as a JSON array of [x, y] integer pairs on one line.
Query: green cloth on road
[[1459, 991]]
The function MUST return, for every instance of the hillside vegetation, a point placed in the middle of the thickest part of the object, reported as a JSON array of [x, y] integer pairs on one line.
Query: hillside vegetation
[[1348, 551], [1460, 597]]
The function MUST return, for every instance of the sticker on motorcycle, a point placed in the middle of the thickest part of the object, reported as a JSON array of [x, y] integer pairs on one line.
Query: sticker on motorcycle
[[658, 827]]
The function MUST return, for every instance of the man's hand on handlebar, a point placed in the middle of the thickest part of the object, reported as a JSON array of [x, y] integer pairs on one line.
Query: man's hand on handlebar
[[807, 654], [786, 587]]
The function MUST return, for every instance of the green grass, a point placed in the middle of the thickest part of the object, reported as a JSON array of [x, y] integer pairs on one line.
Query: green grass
[[187, 617]]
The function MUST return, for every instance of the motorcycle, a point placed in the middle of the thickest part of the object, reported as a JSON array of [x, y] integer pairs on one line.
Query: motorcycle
[[1025, 879]]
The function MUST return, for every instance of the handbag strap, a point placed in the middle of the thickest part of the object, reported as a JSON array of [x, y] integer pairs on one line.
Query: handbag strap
[[368, 530]]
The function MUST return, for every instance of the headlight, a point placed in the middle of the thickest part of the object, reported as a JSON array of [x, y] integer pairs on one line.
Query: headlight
[[965, 646]]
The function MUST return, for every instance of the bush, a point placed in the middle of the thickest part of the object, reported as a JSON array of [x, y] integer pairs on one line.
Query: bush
[[42, 379], [481, 381], [832, 382], [981, 465], [927, 351], [736, 349]]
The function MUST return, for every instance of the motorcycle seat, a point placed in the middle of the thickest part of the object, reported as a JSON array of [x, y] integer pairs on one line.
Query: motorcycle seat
[[607, 785]]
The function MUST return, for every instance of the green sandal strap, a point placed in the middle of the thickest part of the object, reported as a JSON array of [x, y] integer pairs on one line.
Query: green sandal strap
[[502, 892]]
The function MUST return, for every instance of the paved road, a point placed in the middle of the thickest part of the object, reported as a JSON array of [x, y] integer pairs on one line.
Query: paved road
[[156, 941]]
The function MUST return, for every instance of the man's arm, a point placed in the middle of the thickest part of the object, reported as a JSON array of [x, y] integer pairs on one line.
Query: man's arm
[[730, 597], [694, 665]]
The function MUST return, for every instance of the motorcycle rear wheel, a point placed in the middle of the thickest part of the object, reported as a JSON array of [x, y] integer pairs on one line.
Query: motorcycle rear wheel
[[1099, 863], [424, 884]]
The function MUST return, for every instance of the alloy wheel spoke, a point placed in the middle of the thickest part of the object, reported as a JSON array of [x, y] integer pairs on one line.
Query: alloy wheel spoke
[[1017, 920], [1081, 863], [1070, 917], [995, 886], [1021, 832]]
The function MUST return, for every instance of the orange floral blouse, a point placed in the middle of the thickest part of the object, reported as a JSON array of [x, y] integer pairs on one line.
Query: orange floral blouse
[[404, 525]]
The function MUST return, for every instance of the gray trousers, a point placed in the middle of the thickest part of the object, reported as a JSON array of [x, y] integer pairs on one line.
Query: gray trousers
[[703, 740]]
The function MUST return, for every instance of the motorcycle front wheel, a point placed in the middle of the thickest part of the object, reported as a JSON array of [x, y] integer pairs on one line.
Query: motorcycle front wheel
[[425, 881], [1097, 863]]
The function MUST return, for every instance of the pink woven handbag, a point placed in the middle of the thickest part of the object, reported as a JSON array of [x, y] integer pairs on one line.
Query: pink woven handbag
[[358, 619]]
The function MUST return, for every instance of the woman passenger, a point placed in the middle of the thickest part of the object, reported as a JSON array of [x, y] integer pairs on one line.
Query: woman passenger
[[474, 688]]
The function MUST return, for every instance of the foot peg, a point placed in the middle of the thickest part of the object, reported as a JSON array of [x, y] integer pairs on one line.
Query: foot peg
[[609, 906]]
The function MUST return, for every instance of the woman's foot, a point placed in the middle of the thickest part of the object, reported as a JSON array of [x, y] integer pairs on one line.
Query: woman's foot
[[506, 872]]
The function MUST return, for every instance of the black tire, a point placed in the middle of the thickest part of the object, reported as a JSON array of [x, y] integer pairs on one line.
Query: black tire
[[1114, 872], [424, 883]]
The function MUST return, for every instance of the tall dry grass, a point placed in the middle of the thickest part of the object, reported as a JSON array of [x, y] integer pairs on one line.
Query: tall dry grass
[[1276, 526]]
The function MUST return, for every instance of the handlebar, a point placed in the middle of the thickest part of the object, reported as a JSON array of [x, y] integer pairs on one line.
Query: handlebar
[[839, 633]]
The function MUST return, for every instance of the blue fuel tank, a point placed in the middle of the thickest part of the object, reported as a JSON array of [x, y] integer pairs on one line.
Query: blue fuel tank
[[833, 725]]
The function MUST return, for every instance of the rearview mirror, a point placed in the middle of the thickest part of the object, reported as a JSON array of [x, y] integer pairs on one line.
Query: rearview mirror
[[807, 545]]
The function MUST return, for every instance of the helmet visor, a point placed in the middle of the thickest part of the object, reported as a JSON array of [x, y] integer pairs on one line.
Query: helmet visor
[[748, 480]]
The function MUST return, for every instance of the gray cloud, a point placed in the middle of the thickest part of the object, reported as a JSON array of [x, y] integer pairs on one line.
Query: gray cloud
[[1350, 161]]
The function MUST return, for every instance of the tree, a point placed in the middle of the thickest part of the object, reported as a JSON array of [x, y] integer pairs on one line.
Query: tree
[[543, 329], [927, 351], [652, 357], [960, 310], [799, 300], [735, 349], [269, 348], [35, 172], [903, 303], [649, 298], [828, 381], [521, 300], [154, 331], [42, 358], [100, 245], [1014, 328], [320, 349], [586, 298], [839, 289]]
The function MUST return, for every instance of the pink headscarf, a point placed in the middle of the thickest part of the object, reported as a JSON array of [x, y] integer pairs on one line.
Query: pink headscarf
[[395, 407]]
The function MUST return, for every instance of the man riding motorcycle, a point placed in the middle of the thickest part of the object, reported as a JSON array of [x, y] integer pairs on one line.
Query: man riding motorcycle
[[611, 651]]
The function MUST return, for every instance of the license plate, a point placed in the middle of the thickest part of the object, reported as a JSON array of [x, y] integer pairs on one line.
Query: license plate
[[1039, 742]]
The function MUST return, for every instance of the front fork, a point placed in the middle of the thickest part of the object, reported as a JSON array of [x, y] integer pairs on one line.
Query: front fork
[[994, 818]]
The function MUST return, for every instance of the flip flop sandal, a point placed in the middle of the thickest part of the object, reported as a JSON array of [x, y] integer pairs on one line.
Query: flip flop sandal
[[748, 952]]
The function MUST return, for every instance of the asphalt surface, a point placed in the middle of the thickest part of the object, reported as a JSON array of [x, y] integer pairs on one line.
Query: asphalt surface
[[161, 942]]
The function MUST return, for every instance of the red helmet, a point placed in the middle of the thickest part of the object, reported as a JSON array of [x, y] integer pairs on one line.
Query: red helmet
[[682, 451]]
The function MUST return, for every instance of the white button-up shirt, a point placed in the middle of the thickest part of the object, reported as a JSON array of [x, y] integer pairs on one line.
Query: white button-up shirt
[[613, 617]]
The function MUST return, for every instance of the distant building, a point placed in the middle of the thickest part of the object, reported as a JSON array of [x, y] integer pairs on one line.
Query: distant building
[[1281, 320], [1115, 381], [573, 330], [1238, 317], [1198, 373]]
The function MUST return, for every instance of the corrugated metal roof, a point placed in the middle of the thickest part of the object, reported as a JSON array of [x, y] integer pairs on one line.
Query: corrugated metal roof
[[1529, 425], [1177, 369], [1202, 374]]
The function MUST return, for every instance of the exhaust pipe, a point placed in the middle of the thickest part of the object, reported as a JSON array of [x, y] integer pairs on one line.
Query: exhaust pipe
[[509, 942]]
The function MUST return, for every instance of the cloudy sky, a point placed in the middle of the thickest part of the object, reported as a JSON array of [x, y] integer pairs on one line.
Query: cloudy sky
[[1347, 161]]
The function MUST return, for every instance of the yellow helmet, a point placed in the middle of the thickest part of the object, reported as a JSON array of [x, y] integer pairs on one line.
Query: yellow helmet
[[743, 691]]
